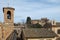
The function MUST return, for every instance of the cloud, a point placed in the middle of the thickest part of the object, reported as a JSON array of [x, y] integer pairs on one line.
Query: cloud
[[52, 2], [34, 8], [55, 1], [31, 7]]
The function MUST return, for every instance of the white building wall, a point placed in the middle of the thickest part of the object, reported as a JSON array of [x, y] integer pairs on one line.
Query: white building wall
[[53, 22], [55, 29], [43, 39]]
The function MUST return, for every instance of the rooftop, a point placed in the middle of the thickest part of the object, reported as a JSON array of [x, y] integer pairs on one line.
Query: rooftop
[[39, 33]]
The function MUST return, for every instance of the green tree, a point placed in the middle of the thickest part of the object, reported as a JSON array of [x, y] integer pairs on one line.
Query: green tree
[[48, 26], [28, 20], [37, 25]]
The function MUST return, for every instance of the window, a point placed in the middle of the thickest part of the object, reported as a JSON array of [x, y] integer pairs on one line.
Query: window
[[8, 15], [58, 31]]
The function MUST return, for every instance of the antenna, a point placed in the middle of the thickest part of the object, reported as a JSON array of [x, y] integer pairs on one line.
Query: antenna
[[2, 2], [8, 3]]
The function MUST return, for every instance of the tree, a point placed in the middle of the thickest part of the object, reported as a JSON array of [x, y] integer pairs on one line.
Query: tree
[[48, 26], [28, 20], [37, 25]]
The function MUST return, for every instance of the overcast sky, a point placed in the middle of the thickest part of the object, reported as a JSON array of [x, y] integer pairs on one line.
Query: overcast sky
[[36, 9]]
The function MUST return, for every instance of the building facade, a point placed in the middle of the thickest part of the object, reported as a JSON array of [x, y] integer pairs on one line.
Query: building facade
[[33, 33], [7, 27]]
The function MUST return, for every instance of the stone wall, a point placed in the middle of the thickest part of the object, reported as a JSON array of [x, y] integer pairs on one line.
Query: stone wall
[[13, 36]]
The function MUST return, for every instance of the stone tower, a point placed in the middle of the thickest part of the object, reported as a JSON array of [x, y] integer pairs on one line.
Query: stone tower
[[7, 28], [8, 15]]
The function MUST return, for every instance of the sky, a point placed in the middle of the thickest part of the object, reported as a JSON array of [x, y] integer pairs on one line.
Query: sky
[[36, 9]]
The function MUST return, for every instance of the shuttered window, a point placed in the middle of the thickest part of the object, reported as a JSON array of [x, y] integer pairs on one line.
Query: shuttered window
[[58, 31]]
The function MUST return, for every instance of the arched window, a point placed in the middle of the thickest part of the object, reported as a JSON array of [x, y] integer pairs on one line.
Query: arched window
[[8, 15]]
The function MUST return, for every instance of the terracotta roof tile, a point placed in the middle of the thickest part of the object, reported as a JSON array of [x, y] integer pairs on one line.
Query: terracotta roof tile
[[39, 32]]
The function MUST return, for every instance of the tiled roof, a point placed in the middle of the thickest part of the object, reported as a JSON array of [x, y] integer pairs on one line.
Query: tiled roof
[[58, 24], [38, 33], [9, 8]]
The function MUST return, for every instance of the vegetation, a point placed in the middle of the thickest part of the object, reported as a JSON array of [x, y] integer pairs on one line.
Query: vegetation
[[28, 20], [47, 25], [36, 26]]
